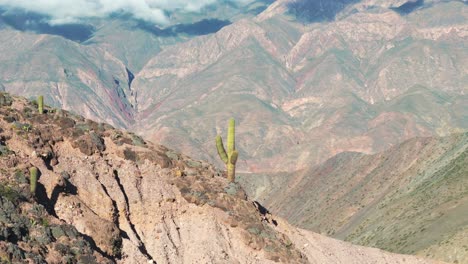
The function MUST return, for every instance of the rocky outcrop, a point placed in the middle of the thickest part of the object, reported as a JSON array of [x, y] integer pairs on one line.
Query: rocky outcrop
[[122, 200]]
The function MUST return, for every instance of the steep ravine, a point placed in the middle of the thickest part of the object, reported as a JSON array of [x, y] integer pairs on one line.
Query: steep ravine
[[135, 202]]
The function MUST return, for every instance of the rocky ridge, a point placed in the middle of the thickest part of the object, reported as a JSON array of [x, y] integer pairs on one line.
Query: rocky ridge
[[107, 196]]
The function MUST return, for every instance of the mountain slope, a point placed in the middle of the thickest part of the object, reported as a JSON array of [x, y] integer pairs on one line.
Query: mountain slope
[[303, 87], [89, 81], [333, 87], [410, 199], [135, 202]]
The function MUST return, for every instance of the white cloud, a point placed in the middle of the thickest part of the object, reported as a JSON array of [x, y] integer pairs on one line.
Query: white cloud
[[67, 11]]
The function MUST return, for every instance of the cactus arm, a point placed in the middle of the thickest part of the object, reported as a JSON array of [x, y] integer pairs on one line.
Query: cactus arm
[[40, 104], [231, 136], [221, 150], [33, 180], [234, 156]]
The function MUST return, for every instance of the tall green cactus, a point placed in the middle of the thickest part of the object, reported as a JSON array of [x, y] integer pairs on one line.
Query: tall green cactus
[[33, 179], [40, 104], [229, 157]]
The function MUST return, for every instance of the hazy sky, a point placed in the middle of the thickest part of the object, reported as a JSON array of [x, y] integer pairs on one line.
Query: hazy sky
[[68, 11]]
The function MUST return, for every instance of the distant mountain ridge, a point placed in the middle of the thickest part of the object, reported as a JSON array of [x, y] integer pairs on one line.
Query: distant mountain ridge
[[311, 91], [365, 79]]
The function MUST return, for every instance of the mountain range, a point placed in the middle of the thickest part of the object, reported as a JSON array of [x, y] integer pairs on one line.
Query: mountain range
[[359, 76], [351, 114]]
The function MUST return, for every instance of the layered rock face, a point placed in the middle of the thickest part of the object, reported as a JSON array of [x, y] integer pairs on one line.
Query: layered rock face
[[106, 196]]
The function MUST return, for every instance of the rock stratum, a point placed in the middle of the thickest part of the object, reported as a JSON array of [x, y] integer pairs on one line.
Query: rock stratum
[[107, 196]]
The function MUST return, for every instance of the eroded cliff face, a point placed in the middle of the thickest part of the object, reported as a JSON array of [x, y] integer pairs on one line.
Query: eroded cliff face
[[134, 202]]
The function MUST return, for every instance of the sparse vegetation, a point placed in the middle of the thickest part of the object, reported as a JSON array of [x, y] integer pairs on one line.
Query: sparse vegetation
[[229, 157], [40, 104], [33, 179]]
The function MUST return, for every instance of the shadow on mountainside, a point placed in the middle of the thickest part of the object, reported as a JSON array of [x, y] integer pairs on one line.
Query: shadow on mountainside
[[202, 27], [34, 22], [408, 7], [312, 11]]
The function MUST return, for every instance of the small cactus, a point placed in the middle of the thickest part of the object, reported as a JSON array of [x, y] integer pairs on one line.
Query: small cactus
[[229, 157], [178, 173], [33, 171], [40, 104]]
